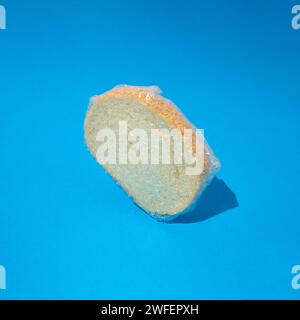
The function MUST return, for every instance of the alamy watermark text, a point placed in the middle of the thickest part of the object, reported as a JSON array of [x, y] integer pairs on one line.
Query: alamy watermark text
[[2, 278], [2, 17], [159, 146], [296, 277], [296, 17]]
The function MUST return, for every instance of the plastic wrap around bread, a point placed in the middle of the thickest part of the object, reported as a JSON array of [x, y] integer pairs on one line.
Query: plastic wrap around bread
[[150, 149]]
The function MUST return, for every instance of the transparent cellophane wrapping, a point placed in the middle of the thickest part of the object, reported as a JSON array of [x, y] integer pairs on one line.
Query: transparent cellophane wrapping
[[214, 163]]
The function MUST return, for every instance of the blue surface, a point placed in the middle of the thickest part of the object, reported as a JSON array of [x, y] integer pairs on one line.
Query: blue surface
[[66, 229]]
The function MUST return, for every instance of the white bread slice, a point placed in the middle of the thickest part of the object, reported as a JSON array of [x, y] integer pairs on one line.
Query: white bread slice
[[162, 190]]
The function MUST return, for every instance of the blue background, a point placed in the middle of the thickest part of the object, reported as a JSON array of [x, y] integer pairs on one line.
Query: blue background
[[66, 230]]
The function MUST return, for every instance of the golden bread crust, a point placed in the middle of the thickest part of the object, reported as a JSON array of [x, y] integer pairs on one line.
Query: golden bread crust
[[165, 108]]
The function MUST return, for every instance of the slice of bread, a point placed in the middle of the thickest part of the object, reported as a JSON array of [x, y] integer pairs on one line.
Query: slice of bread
[[162, 190]]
